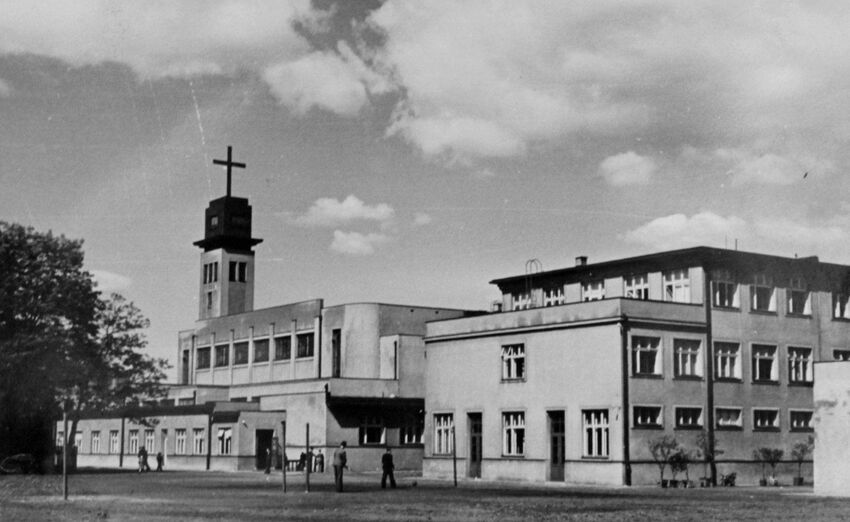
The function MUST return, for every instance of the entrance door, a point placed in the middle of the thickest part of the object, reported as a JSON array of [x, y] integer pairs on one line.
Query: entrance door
[[264, 447], [475, 452], [556, 445]]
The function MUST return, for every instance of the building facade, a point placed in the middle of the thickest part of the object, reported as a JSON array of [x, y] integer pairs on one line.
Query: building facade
[[579, 369]]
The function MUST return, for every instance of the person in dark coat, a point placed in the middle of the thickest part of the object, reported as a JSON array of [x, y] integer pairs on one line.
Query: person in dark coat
[[388, 467], [340, 463], [159, 460], [143, 460]]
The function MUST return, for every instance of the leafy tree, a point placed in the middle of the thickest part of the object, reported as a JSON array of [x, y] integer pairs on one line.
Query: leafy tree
[[679, 461], [800, 451], [770, 456], [662, 448], [708, 449]]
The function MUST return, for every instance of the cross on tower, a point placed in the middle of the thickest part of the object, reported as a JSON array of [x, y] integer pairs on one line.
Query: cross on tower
[[229, 163]]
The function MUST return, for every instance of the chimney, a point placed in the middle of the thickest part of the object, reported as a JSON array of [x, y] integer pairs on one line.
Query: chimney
[[581, 260]]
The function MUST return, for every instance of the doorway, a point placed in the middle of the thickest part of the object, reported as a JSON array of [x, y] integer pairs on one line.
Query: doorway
[[263, 446], [475, 441], [557, 435]]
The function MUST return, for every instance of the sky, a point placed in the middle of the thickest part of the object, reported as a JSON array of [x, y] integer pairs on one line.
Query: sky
[[411, 151]]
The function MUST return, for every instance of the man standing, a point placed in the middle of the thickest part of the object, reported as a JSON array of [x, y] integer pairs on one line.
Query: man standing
[[388, 466], [340, 463]]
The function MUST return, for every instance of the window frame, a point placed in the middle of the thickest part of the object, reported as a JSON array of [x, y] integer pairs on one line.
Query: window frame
[[283, 345], [809, 427], [777, 425], [698, 424], [263, 341], [245, 356], [762, 282], [774, 369], [203, 358], [150, 440], [199, 441], [411, 431], [521, 301], [841, 306], [369, 426], [114, 442], [676, 285], [697, 364], [225, 440], [840, 354], [793, 358], [738, 426], [638, 349], [593, 290], [94, 444], [553, 296], [596, 433], [636, 286], [513, 433], [736, 367], [443, 427], [514, 365], [657, 412], [725, 290], [307, 349], [132, 441], [180, 441], [798, 298]]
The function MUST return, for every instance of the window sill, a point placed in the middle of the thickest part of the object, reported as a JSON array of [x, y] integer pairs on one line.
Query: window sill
[[801, 430], [798, 316], [764, 312], [221, 366], [202, 369], [513, 457], [245, 364], [770, 430], [801, 384], [695, 378], [593, 457], [841, 319], [517, 380], [769, 383], [688, 428], [262, 362], [648, 427], [730, 380], [726, 308], [647, 376], [729, 428], [302, 357]]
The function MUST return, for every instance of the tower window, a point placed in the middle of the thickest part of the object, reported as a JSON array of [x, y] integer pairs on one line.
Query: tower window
[[209, 300], [238, 271], [210, 272]]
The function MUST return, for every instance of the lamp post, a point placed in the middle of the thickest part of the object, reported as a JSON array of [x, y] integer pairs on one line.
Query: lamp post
[[283, 452]]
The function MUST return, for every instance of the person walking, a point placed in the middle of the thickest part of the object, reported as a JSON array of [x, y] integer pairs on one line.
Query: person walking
[[319, 465], [143, 460], [388, 467], [159, 460], [340, 463]]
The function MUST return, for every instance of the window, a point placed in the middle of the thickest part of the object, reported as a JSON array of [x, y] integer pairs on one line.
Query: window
[[799, 365], [222, 355], [688, 417], [595, 433], [677, 286], [645, 357], [114, 444], [724, 290], [210, 272], [727, 362], [95, 442], [149, 440], [765, 420], [203, 358], [240, 353], [647, 417], [764, 363], [198, 441], [411, 432], [372, 430], [840, 305], [636, 287], [209, 300], [180, 441], [513, 362], [521, 300], [305, 345], [513, 434], [841, 355], [78, 440], [553, 296], [225, 436], [797, 297], [261, 350], [133, 446], [238, 271], [763, 294], [282, 348], [688, 362], [801, 420], [727, 418], [443, 426], [593, 291]]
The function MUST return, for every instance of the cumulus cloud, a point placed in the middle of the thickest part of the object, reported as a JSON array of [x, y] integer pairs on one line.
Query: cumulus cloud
[[330, 212], [421, 218], [627, 168], [355, 243], [110, 282], [680, 231]]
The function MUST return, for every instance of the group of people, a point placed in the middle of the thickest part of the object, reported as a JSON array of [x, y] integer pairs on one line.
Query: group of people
[[143, 460], [340, 463]]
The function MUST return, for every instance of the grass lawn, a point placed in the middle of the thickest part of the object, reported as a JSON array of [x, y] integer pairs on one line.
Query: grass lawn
[[125, 495]]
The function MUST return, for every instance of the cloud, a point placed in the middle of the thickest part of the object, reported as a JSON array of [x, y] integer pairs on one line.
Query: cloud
[[421, 218], [330, 212], [108, 282], [628, 168], [355, 243], [5, 89], [680, 231]]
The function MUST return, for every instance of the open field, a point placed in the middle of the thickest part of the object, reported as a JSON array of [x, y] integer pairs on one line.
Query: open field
[[250, 496]]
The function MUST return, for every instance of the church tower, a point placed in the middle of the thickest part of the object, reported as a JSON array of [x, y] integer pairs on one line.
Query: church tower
[[227, 262]]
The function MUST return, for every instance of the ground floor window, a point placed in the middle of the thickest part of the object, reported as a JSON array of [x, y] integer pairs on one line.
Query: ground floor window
[[801, 420], [411, 432], [198, 441], [180, 441], [595, 424], [513, 434], [647, 417], [372, 430], [114, 445], [149, 440], [133, 446], [95, 442], [443, 425], [225, 436]]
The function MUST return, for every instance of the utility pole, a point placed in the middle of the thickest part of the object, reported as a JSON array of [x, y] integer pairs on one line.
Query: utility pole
[[307, 458], [65, 451], [283, 452], [454, 455]]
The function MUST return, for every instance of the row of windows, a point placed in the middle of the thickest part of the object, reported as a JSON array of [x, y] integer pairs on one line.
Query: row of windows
[[595, 433], [690, 417], [373, 431], [137, 439], [282, 351], [238, 272]]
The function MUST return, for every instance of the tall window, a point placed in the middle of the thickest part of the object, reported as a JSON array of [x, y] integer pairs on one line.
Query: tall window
[[840, 305], [646, 359], [203, 358], [238, 271], [763, 294], [595, 433], [149, 440], [305, 345], [727, 360], [688, 417], [261, 350], [766, 420], [724, 290], [95, 442], [687, 358], [222, 355], [553, 296], [647, 417], [282, 348], [133, 446], [209, 299], [513, 362], [240, 353], [411, 432], [180, 441], [225, 437], [211, 272], [799, 364], [521, 300], [513, 434], [764, 363], [593, 291], [727, 418], [636, 287], [198, 441], [797, 297], [677, 286], [372, 430], [801, 420], [443, 424], [114, 444]]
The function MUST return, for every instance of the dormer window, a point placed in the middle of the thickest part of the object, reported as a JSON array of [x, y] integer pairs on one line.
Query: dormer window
[[797, 297], [762, 294], [724, 290], [593, 291]]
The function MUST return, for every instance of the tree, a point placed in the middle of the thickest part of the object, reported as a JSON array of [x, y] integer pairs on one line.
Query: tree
[[800, 451], [770, 456], [709, 449], [662, 448], [679, 463]]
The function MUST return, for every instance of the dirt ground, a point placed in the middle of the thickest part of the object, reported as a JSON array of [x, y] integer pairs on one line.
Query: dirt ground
[[254, 496]]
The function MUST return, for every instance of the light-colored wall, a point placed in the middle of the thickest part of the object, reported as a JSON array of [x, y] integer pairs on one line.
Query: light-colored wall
[[832, 429]]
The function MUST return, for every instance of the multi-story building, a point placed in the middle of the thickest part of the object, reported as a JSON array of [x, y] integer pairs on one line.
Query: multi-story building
[[578, 369]]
